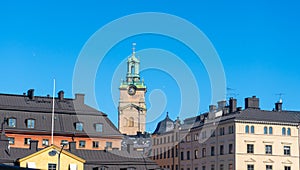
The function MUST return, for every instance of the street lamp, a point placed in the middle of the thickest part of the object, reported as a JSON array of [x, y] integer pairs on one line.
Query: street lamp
[[54, 152]]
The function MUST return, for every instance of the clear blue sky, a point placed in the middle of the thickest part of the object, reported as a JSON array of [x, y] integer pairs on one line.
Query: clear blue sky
[[257, 42]]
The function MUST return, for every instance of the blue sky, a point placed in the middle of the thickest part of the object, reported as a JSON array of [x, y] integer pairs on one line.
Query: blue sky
[[257, 42]]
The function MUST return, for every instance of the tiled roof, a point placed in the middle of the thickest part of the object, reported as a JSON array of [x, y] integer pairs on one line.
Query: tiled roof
[[67, 113]]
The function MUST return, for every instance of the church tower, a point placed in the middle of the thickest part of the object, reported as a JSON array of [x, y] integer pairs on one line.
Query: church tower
[[132, 106]]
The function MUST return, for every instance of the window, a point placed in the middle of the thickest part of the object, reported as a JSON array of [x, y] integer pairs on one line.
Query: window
[[221, 167], [30, 123], [252, 129], [221, 131], [11, 122], [108, 145], [212, 151], [196, 136], [63, 142], [230, 167], [203, 152], [188, 155], [51, 166], [99, 127], [79, 126], [196, 154], [81, 144], [213, 133], [289, 131], [287, 150], [95, 144], [45, 142], [268, 149], [269, 167], [203, 134], [221, 149], [250, 148], [212, 167], [265, 130], [11, 141], [283, 131], [246, 129], [230, 150], [287, 168], [131, 122], [270, 130], [250, 167], [182, 156], [27, 141], [231, 129]]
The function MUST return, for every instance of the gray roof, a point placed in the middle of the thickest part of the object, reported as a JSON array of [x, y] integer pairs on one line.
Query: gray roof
[[67, 113]]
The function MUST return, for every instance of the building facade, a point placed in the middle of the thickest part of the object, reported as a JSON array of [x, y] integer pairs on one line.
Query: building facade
[[229, 138], [165, 151], [132, 106], [28, 117]]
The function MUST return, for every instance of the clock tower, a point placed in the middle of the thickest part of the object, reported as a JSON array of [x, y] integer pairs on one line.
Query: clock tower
[[132, 106]]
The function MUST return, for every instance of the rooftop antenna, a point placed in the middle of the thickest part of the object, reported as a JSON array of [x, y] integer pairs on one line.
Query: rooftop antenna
[[280, 97], [52, 126]]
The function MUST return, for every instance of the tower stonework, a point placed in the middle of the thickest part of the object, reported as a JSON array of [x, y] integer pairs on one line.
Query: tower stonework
[[132, 106]]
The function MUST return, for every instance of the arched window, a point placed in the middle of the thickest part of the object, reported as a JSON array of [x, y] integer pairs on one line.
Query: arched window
[[247, 129], [270, 130], [252, 129], [131, 122], [283, 131], [265, 130], [289, 131]]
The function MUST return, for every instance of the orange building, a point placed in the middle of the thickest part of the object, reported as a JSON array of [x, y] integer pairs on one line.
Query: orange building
[[27, 117]]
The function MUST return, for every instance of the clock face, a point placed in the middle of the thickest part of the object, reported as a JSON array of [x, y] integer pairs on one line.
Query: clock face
[[131, 90]]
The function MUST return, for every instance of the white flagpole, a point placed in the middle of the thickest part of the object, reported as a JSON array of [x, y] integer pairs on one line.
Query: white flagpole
[[52, 127]]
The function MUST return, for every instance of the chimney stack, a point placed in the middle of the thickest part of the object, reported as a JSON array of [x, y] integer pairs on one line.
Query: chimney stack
[[79, 98], [30, 94], [252, 102], [232, 105], [221, 104], [212, 108], [34, 145], [61, 95]]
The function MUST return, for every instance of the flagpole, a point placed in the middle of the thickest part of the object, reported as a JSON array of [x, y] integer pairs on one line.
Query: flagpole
[[52, 127]]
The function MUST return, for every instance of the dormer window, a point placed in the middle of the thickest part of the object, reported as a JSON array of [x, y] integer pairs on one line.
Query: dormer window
[[99, 127], [30, 123], [79, 126], [11, 122]]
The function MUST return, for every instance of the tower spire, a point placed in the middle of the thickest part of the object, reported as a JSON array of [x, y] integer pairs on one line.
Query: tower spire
[[133, 48]]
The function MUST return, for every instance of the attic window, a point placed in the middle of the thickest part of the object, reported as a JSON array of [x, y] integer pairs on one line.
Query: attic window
[[30, 123], [11, 122], [99, 127], [79, 126]]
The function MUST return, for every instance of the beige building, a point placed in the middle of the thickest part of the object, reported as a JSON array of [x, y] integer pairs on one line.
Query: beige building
[[165, 151], [132, 105], [229, 138]]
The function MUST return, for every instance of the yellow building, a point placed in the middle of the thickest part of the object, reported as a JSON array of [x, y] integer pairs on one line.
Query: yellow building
[[52, 157]]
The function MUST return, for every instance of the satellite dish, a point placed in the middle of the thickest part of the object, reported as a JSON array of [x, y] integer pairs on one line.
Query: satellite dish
[[52, 153]]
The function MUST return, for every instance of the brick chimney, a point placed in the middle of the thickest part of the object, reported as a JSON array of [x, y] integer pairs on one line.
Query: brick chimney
[[232, 105], [30, 94], [61, 95], [79, 98], [252, 102]]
